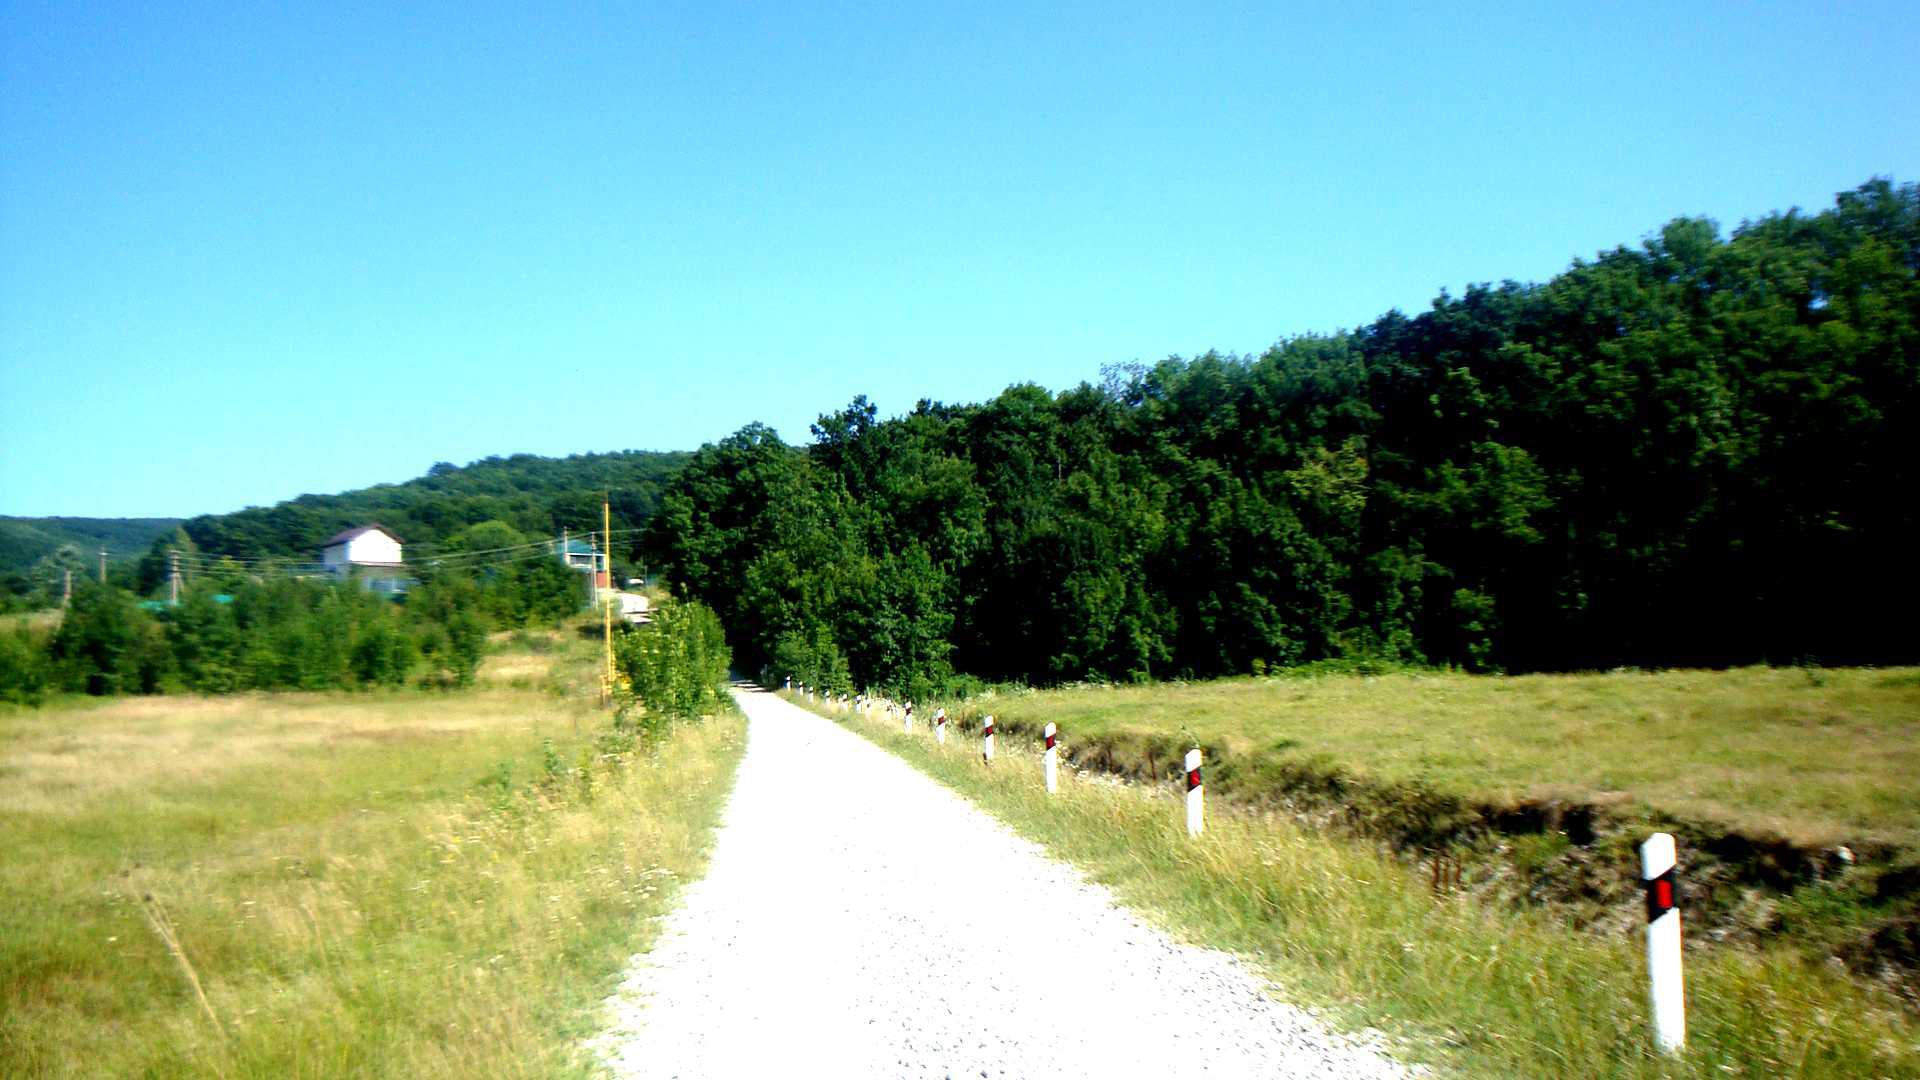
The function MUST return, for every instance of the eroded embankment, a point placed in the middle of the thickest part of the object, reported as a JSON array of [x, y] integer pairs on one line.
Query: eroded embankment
[[1856, 906]]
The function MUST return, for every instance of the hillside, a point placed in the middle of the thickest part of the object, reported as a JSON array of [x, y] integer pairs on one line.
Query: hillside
[[25, 541], [538, 496]]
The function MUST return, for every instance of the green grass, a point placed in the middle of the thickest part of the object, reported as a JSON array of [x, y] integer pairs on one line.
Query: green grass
[[1820, 757], [1489, 990], [400, 884]]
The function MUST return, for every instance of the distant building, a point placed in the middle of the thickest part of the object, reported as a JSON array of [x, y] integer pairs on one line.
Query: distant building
[[371, 551], [586, 558], [368, 545]]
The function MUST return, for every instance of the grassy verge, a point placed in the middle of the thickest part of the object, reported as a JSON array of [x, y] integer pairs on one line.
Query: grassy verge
[[1789, 789], [335, 884], [1488, 989]]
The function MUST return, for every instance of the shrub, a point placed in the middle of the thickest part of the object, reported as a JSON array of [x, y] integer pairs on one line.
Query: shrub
[[675, 664]]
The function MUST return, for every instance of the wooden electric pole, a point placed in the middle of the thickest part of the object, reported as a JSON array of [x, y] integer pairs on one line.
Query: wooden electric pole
[[173, 576], [103, 566], [66, 588]]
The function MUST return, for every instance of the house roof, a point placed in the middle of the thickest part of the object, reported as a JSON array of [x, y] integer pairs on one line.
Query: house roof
[[345, 535]]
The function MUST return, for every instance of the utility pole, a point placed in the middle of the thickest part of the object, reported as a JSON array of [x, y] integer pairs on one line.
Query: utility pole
[[66, 588], [173, 576], [103, 566], [606, 612]]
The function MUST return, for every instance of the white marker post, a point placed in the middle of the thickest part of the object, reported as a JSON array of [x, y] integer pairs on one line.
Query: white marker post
[[940, 726], [906, 720], [1050, 761], [1667, 991], [789, 683], [986, 740], [1196, 809]]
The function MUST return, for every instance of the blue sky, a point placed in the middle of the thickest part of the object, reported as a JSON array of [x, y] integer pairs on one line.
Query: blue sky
[[249, 253]]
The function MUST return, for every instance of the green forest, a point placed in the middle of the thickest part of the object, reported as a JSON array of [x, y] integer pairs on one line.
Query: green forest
[[1699, 450], [251, 614], [536, 496], [492, 503]]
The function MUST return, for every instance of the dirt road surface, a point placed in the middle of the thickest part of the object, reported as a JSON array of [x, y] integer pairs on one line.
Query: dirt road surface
[[859, 920]]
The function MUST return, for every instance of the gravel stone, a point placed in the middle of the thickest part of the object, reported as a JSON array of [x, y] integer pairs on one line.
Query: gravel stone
[[859, 920]]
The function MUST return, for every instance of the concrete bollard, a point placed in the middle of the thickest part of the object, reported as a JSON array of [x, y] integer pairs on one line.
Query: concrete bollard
[[1666, 989], [986, 740], [1196, 809], [1050, 761]]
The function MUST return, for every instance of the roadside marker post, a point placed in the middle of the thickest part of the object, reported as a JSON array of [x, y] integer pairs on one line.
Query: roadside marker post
[[986, 740], [906, 721], [789, 683], [1050, 761], [940, 726], [1666, 989], [1196, 809]]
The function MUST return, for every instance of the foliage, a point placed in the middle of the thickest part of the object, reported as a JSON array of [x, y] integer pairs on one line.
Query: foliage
[[266, 633], [24, 677], [456, 509], [1692, 452], [676, 665]]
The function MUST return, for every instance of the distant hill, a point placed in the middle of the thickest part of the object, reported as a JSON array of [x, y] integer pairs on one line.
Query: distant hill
[[539, 496], [24, 541]]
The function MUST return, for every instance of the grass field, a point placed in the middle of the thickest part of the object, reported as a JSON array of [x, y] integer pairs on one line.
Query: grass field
[[1488, 989], [406, 883], [1821, 757]]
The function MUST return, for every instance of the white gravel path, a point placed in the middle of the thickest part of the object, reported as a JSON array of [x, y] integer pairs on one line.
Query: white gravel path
[[859, 920]]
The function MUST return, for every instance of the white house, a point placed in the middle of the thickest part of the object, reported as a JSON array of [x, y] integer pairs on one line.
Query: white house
[[369, 546]]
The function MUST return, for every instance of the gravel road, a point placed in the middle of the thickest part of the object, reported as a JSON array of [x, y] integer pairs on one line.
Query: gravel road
[[859, 920]]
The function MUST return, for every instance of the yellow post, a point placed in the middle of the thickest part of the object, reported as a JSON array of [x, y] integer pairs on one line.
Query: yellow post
[[606, 612]]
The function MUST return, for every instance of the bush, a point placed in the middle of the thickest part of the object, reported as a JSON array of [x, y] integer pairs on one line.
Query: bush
[[812, 659], [23, 668], [675, 665], [98, 647]]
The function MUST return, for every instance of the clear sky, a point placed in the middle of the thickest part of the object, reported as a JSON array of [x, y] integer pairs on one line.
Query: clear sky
[[247, 252]]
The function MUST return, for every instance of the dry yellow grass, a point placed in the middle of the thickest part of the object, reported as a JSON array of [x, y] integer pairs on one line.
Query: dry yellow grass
[[405, 884]]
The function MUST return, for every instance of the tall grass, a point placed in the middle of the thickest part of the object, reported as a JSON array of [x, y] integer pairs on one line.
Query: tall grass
[[390, 884], [1490, 990]]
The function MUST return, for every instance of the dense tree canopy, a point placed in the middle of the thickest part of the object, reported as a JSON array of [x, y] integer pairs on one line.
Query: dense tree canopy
[[437, 513], [1700, 450]]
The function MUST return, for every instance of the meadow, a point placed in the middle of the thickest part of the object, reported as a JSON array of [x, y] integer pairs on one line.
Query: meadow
[[1819, 756], [1345, 928], [325, 884]]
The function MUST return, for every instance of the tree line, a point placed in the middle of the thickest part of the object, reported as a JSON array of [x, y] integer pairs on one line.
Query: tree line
[[451, 510], [1700, 450], [237, 628]]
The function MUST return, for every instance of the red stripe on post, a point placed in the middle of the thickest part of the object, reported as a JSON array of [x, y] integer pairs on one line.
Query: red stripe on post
[[1193, 779], [1660, 895]]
